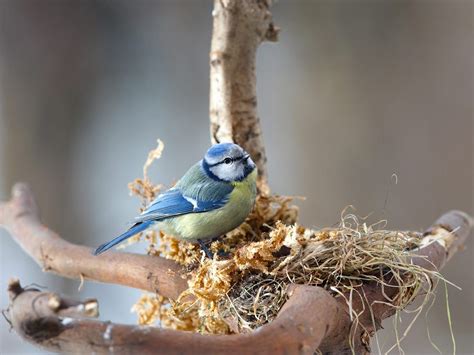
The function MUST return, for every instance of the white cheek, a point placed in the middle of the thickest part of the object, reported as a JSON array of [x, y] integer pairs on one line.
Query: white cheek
[[228, 172]]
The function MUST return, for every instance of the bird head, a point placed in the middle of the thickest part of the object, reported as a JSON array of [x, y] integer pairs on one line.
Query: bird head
[[227, 162]]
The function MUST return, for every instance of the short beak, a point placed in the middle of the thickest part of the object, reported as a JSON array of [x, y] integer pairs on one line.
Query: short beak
[[248, 161]]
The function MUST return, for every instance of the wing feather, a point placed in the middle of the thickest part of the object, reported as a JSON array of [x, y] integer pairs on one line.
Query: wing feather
[[195, 193]]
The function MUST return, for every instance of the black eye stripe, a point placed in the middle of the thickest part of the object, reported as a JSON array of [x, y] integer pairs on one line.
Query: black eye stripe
[[231, 159], [223, 160]]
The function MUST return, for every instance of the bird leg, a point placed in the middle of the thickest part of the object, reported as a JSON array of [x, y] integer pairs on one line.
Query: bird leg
[[205, 249]]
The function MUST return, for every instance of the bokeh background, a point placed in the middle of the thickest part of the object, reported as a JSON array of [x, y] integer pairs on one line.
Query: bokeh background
[[353, 92]]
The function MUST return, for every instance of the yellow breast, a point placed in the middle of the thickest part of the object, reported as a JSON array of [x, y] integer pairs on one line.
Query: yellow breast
[[215, 223]]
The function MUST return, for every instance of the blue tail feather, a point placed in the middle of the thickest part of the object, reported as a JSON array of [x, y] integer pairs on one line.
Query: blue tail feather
[[137, 228]]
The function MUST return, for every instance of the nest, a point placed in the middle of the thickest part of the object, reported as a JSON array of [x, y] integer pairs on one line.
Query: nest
[[246, 283]]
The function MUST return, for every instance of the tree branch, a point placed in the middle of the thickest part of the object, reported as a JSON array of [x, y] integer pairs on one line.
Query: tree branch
[[294, 331], [311, 318], [239, 27], [54, 254]]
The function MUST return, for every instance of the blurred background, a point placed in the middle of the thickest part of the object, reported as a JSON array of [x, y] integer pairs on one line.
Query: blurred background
[[353, 92]]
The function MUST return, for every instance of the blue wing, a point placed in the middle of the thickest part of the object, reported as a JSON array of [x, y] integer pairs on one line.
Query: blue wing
[[175, 203], [195, 193]]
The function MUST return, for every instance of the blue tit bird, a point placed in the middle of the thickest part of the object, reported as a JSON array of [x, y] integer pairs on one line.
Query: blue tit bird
[[214, 197]]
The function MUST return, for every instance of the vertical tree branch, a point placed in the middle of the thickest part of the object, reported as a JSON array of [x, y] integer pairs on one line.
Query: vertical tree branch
[[239, 27]]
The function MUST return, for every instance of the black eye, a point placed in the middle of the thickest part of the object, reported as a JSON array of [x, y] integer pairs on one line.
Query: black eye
[[227, 161]]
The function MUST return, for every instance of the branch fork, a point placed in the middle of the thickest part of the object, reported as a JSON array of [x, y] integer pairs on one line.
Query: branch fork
[[311, 318]]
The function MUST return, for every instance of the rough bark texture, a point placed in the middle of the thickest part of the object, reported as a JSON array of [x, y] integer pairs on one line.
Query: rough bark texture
[[239, 28]]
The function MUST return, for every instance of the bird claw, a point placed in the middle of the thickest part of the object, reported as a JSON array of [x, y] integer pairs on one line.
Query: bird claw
[[205, 249]]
